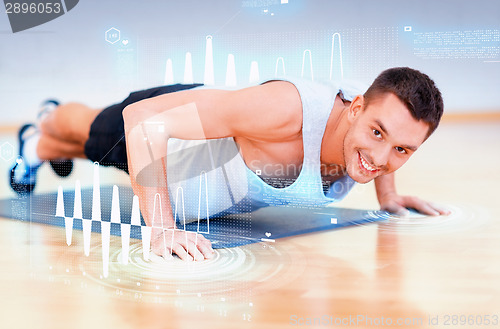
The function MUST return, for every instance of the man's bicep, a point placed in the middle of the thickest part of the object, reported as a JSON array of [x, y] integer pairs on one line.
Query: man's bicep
[[191, 114], [261, 111], [209, 114]]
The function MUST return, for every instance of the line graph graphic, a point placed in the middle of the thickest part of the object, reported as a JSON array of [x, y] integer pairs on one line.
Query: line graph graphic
[[307, 51], [306, 70], [125, 227], [209, 79], [278, 60], [188, 69], [169, 73], [254, 73], [231, 71], [340, 56]]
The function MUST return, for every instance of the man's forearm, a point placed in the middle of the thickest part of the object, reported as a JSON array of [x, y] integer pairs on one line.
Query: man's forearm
[[385, 185], [154, 201], [146, 152]]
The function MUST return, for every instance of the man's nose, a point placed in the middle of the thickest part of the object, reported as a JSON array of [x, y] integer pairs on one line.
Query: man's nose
[[380, 156]]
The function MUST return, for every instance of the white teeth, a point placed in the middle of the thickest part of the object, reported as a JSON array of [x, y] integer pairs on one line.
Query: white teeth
[[366, 165]]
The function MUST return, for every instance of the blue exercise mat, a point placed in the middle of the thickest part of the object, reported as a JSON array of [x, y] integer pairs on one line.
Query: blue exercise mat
[[265, 224]]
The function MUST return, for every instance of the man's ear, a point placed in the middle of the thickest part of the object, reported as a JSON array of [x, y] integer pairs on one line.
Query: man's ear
[[355, 108]]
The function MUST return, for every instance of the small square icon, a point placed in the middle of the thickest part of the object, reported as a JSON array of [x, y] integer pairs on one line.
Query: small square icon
[[258, 172], [333, 220], [407, 28]]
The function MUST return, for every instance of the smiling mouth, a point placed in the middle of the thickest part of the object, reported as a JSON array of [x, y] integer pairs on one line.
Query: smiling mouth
[[365, 165]]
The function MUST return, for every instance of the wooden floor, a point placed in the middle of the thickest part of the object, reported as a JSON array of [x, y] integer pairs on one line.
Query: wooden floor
[[441, 272]]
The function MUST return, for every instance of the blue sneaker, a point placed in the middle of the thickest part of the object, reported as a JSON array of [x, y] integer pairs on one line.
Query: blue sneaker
[[46, 108], [61, 167], [22, 176]]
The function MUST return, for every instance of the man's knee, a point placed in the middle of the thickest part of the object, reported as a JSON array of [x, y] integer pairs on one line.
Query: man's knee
[[70, 121]]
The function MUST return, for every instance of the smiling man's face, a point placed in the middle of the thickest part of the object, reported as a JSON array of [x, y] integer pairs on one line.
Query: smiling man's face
[[381, 138]]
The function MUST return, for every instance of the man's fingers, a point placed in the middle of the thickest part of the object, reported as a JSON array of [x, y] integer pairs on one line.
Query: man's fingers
[[207, 252], [442, 210], [421, 206], [428, 208], [163, 252], [200, 251], [197, 247], [180, 251], [186, 240], [398, 206], [204, 245], [185, 244], [166, 255], [195, 252], [395, 208]]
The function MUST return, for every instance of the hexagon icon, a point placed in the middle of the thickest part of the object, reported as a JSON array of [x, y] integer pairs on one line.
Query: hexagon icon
[[112, 35], [6, 151]]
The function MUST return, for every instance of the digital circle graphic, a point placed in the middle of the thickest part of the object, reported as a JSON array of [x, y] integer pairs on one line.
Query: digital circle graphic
[[232, 274], [461, 218]]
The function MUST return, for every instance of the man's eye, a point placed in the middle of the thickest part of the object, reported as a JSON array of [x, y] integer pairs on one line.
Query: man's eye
[[377, 133], [400, 150]]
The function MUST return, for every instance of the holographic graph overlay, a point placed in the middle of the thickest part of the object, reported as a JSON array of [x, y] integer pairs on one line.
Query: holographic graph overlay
[[112, 35], [169, 73], [206, 178], [358, 54], [231, 72], [224, 286], [209, 78], [125, 228], [7, 152], [232, 275], [339, 56], [213, 168], [263, 3], [105, 226], [188, 69], [209, 75], [254, 73], [159, 223], [123, 52], [210, 185], [179, 195], [482, 44], [463, 218], [311, 71], [147, 138], [279, 61]]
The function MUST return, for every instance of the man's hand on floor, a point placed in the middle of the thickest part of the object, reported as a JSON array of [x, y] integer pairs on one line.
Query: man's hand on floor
[[397, 204], [185, 244]]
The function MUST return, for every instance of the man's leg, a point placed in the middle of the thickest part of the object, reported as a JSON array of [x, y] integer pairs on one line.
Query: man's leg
[[65, 131], [75, 130], [59, 137], [50, 148]]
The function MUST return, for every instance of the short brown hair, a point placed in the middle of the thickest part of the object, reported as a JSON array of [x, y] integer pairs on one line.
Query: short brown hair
[[415, 89]]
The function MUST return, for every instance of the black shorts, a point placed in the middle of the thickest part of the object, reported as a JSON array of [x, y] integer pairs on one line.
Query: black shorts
[[106, 143]]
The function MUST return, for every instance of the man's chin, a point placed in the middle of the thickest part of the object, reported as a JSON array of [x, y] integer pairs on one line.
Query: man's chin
[[364, 181], [360, 178]]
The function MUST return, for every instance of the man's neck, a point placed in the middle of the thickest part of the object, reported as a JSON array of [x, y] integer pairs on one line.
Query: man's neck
[[332, 153]]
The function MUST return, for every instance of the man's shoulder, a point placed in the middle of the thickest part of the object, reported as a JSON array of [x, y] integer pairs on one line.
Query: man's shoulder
[[269, 110]]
